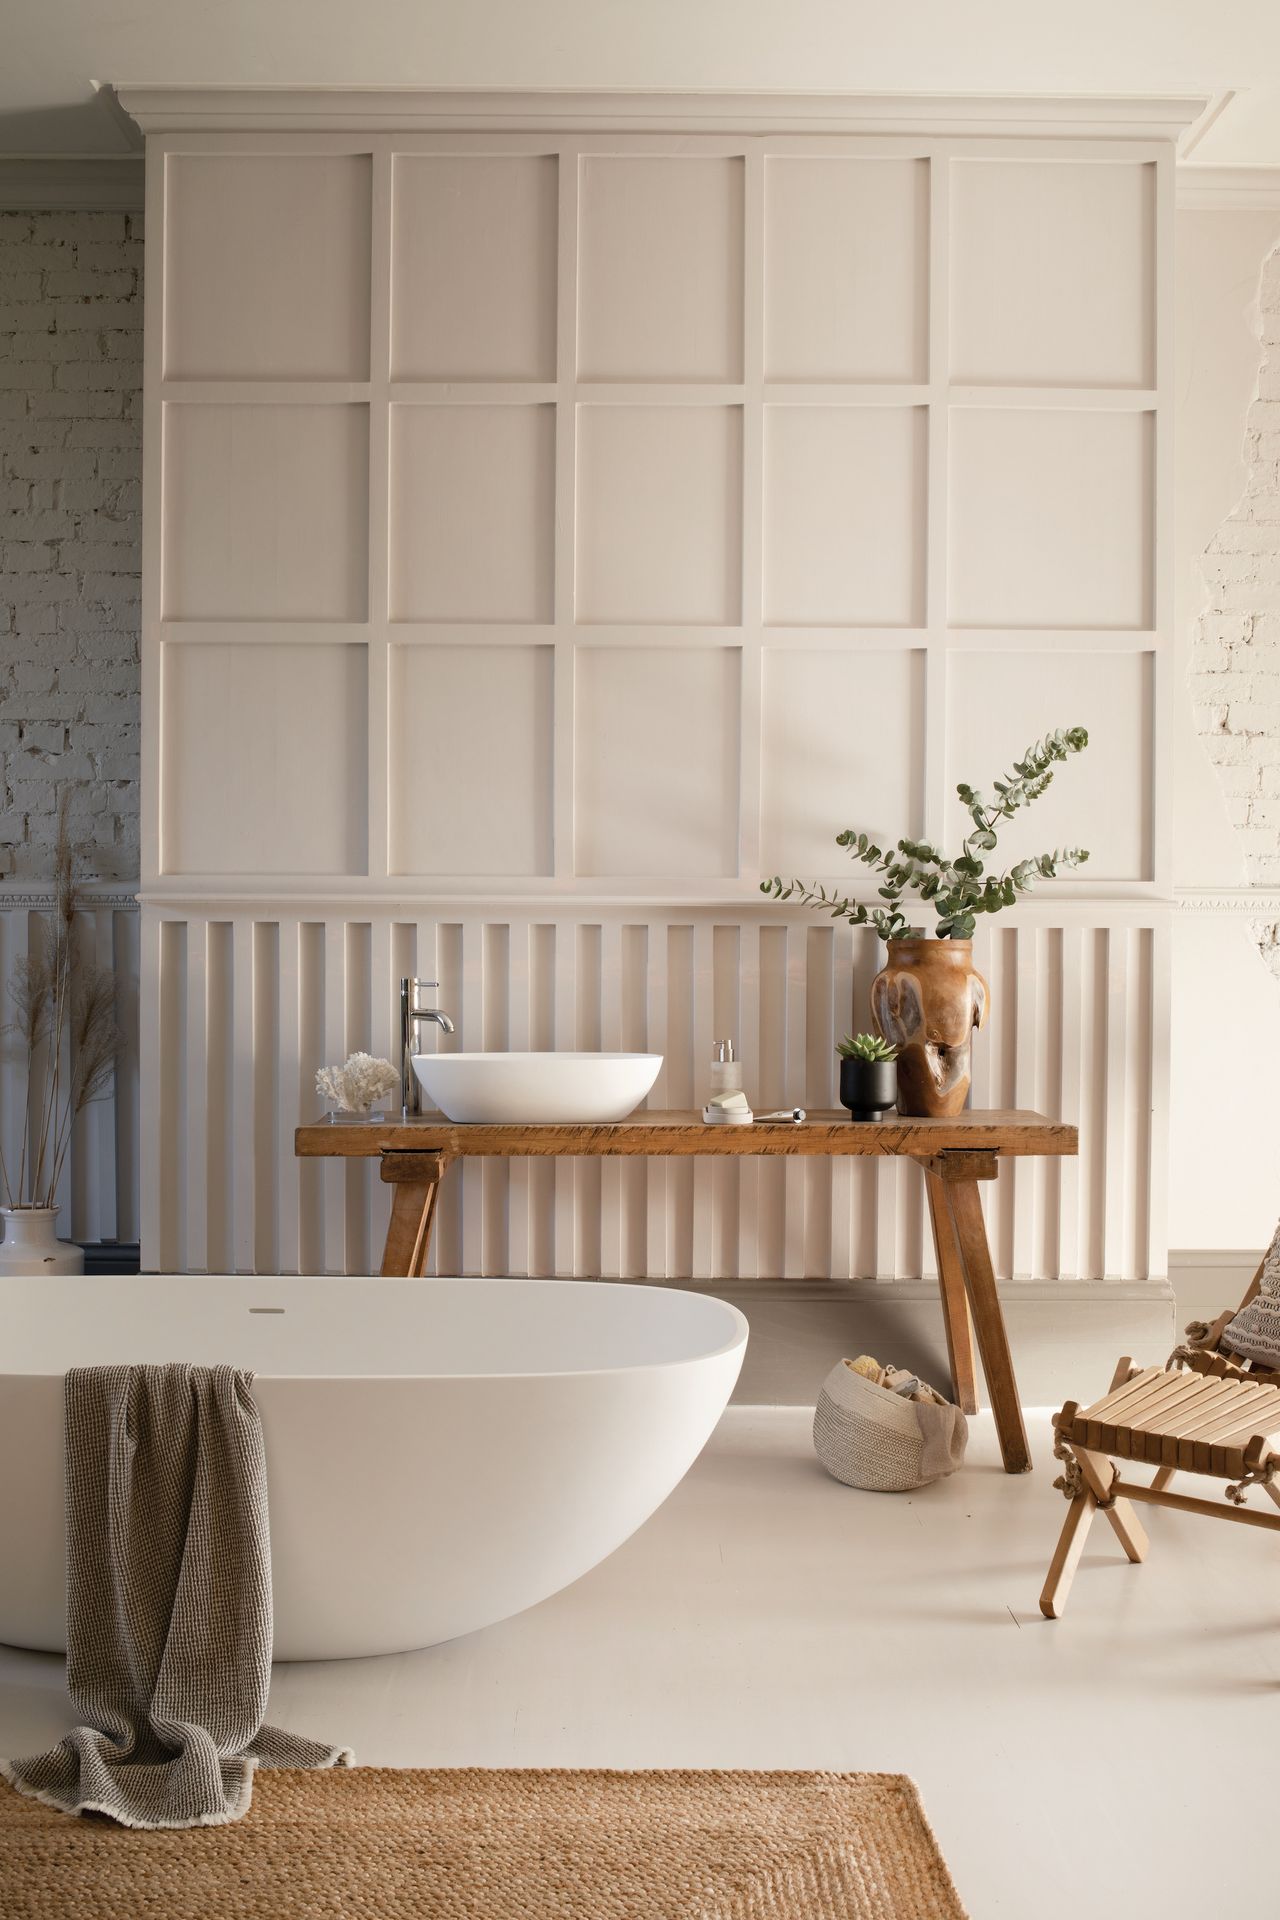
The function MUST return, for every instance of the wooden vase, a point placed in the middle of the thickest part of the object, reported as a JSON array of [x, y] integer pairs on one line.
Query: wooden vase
[[927, 1001]]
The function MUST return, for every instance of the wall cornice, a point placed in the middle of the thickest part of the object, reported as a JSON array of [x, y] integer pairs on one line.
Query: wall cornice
[[1228, 189], [391, 109]]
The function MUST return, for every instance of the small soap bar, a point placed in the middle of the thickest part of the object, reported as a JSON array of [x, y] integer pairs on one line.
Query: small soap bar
[[728, 1109]]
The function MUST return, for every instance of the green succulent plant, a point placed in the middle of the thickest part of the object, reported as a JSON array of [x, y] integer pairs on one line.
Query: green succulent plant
[[959, 889], [865, 1046]]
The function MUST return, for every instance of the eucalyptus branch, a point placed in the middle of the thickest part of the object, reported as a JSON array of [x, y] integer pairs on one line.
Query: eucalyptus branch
[[959, 889]]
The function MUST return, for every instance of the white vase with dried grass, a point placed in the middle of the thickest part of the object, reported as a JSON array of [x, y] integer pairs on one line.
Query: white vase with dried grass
[[62, 1043]]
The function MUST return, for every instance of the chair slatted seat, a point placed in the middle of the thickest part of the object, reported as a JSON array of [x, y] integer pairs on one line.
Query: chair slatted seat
[[1207, 1411]]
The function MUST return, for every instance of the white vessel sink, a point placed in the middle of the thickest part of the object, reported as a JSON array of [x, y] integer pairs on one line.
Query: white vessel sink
[[536, 1086]]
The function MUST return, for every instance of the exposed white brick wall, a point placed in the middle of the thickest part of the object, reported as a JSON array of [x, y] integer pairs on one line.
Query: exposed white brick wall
[[70, 534], [1235, 658]]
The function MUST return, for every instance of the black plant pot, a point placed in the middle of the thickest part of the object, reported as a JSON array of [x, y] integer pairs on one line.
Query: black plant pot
[[869, 1088]]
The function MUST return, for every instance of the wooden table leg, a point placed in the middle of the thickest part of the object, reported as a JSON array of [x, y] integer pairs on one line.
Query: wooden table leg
[[415, 1182], [955, 1302], [965, 1203]]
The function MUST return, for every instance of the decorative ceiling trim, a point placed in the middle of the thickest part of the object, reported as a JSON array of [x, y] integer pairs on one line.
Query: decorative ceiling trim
[[91, 184], [1245, 903], [1223, 189], [392, 109]]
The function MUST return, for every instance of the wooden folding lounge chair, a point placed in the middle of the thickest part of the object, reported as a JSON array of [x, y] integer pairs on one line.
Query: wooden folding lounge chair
[[1207, 1411]]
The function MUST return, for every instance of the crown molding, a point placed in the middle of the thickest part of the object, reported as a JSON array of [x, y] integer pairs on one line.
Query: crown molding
[[90, 183], [159, 110], [1244, 903], [1228, 189]]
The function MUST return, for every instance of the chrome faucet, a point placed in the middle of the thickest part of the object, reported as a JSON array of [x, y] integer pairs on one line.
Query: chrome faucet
[[412, 1014]]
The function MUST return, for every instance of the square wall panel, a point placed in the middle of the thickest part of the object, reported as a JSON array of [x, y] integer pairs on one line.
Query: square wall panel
[[844, 516], [1053, 273], [1051, 518], [656, 761], [266, 513], [473, 267], [659, 515], [843, 735], [264, 757], [472, 513], [267, 266], [471, 759], [999, 703], [660, 269], [846, 270]]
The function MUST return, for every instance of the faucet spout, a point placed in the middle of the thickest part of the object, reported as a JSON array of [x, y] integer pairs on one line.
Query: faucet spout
[[412, 1015]]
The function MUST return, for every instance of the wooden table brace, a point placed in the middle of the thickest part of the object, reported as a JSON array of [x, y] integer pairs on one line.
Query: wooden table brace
[[415, 1178]]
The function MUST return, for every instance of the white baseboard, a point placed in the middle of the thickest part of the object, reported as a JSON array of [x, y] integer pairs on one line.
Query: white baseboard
[[1066, 1336]]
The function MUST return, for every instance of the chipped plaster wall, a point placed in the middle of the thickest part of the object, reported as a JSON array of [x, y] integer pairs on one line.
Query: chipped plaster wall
[[1234, 674]]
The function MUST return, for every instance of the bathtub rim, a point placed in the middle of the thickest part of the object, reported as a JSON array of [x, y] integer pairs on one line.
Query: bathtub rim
[[737, 1344]]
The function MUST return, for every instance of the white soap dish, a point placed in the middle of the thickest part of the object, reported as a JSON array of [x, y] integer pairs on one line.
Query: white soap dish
[[728, 1110]]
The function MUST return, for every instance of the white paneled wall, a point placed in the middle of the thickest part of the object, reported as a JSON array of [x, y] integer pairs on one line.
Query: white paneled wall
[[98, 1193], [248, 1005], [572, 521]]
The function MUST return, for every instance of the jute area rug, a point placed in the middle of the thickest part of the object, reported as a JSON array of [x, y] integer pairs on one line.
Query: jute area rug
[[454, 1845]]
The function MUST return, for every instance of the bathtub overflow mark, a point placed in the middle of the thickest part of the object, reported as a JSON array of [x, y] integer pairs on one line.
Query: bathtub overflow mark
[[266, 1309]]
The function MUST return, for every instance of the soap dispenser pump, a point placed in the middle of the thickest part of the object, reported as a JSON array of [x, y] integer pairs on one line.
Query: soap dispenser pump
[[726, 1072]]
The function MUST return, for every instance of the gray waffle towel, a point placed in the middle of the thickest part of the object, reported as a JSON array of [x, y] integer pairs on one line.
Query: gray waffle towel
[[168, 1602]]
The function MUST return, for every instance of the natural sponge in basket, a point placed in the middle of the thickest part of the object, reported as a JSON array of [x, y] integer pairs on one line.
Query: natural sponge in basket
[[884, 1430]]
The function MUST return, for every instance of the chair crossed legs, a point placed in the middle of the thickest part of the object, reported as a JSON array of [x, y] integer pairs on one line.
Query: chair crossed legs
[[1206, 1412]]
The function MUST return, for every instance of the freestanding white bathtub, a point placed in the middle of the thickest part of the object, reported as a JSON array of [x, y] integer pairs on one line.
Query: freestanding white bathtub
[[440, 1453]]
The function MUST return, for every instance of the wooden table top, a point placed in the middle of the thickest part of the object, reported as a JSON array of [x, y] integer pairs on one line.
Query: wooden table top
[[658, 1134]]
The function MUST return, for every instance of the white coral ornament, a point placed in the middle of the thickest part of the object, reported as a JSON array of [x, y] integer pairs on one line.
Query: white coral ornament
[[359, 1085]]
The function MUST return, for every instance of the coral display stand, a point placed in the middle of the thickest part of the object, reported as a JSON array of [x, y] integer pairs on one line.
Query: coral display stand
[[954, 1155]]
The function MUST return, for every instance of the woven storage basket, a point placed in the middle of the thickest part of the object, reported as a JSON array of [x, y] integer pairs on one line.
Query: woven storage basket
[[871, 1438]]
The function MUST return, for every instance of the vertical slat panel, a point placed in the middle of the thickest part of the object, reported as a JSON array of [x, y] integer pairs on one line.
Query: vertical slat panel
[[702, 1263], [127, 1106], [749, 1033], [1157, 1168], [472, 1027], [1071, 1028], [196, 1071], [384, 1043], [1115, 1207], [611, 1248], [795, 1174], [242, 1123], [495, 957], [292, 1104], [519, 1258], [566, 1198], [819, 1091], [170, 1181], [356, 1017], [266, 1096], [680, 1093], [335, 1052], [842, 1241], [1069, 1102], [656, 1040], [1026, 1095]]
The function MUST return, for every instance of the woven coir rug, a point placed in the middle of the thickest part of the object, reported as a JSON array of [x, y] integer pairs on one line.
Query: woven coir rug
[[478, 1845]]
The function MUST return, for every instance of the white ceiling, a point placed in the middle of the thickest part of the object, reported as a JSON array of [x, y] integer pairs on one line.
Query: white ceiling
[[55, 51]]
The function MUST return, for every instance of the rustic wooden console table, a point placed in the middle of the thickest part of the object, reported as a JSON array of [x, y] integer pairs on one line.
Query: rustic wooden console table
[[954, 1155]]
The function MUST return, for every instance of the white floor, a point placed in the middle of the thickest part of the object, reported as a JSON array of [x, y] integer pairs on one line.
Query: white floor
[[1106, 1764]]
